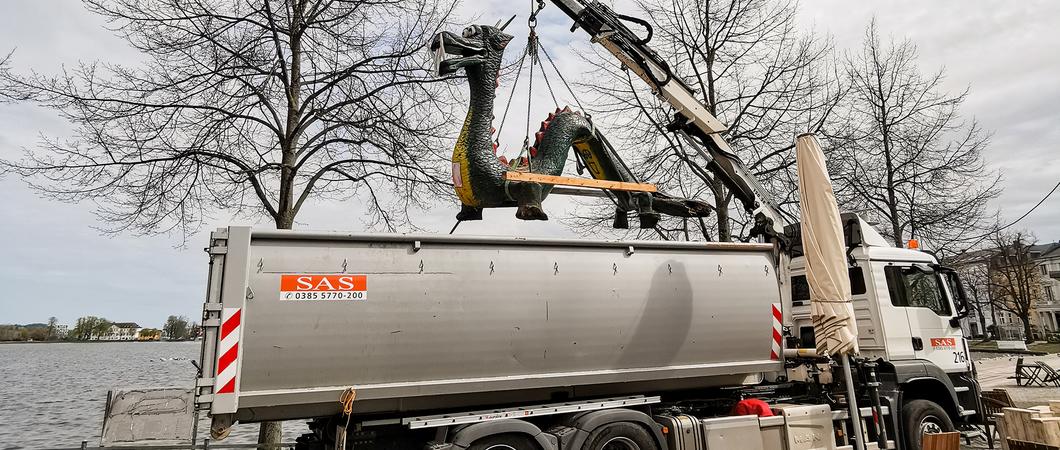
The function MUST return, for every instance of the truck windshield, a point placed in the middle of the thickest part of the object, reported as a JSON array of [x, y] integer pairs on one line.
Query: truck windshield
[[914, 288]]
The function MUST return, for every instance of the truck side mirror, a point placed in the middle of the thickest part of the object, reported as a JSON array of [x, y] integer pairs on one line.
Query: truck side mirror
[[960, 299]]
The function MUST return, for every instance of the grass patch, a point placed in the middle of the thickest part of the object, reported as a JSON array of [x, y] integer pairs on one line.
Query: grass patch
[[980, 345], [1047, 347]]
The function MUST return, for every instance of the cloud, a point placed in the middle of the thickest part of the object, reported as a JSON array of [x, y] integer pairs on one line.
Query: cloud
[[1008, 55], [56, 264]]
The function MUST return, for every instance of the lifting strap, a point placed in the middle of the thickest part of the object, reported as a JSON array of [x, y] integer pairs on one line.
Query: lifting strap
[[533, 50]]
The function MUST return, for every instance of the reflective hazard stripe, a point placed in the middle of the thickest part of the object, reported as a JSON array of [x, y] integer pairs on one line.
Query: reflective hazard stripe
[[776, 344], [228, 352]]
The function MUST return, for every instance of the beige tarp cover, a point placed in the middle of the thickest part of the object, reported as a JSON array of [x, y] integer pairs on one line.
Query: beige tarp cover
[[822, 241]]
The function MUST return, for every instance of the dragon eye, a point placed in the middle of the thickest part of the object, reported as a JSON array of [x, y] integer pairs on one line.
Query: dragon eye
[[470, 31]]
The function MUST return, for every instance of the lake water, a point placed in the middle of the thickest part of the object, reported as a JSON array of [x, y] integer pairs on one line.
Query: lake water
[[52, 395]]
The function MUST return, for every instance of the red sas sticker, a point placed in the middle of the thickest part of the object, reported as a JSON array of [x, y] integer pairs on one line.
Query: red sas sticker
[[943, 343], [323, 287]]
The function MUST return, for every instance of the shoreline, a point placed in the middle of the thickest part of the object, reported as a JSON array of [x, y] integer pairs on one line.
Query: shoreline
[[85, 342]]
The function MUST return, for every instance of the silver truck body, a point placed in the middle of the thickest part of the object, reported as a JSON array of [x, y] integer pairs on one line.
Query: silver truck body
[[450, 321]]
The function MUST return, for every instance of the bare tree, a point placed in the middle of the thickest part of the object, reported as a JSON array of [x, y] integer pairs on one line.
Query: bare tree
[[974, 269], [1014, 278], [53, 322], [5, 72], [176, 328], [904, 156], [250, 106], [752, 68], [89, 327]]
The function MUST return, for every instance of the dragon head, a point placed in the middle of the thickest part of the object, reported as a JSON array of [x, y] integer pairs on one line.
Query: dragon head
[[476, 45]]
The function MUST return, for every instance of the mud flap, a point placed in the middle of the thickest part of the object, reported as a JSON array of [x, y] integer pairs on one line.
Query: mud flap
[[141, 416]]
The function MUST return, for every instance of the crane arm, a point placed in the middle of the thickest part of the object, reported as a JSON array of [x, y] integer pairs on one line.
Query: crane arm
[[692, 119]]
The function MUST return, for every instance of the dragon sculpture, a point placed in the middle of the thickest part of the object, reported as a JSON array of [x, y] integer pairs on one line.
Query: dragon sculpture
[[478, 173]]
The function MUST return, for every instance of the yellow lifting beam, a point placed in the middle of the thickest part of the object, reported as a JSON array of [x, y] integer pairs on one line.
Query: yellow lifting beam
[[582, 182]]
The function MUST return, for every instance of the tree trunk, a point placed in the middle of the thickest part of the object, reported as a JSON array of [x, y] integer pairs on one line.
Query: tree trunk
[[1027, 329], [892, 201], [270, 433], [721, 210], [285, 220], [993, 307]]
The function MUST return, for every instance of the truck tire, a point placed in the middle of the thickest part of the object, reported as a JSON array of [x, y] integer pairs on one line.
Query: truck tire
[[505, 441], [620, 436], [924, 416]]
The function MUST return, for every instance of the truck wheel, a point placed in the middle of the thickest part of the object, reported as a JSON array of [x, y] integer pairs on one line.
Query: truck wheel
[[505, 441], [924, 416], [620, 436]]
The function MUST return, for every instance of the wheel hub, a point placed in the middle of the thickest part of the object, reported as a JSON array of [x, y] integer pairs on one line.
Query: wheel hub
[[930, 425], [620, 443]]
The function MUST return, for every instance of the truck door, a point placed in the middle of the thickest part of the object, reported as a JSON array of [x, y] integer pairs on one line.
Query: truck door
[[920, 291]]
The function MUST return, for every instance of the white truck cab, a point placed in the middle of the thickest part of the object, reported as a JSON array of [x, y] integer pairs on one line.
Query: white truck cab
[[908, 311]]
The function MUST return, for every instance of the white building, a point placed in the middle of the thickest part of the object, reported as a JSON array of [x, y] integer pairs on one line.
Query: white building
[[122, 331], [1048, 309], [1045, 312]]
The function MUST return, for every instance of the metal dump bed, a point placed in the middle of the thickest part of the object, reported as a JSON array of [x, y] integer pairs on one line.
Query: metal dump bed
[[429, 322]]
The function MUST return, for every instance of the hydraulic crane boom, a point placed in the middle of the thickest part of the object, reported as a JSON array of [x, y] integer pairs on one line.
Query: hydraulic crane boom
[[692, 119]]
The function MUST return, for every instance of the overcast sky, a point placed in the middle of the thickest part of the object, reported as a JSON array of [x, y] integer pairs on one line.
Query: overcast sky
[[54, 263]]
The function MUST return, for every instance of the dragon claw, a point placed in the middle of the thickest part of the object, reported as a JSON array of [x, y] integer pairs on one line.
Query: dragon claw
[[530, 212], [648, 220], [469, 213]]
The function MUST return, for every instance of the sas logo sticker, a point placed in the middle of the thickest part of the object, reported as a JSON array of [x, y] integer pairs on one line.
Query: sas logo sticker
[[323, 287], [943, 343]]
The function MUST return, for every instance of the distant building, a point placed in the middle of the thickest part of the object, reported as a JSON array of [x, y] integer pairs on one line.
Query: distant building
[[1047, 256], [61, 331], [122, 331], [1045, 308], [150, 334]]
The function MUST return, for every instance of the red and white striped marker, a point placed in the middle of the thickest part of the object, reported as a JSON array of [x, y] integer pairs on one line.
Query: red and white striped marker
[[228, 352], [778, 318]]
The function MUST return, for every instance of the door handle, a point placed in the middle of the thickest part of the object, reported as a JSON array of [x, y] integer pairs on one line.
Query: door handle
[[918, 344]]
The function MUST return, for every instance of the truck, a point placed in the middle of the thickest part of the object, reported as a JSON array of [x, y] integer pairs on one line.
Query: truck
[[551, 344], [452, 342]]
